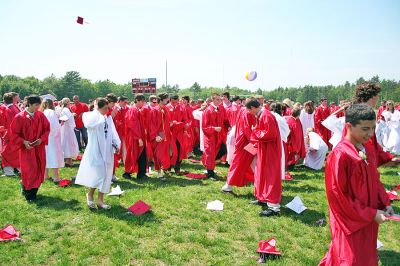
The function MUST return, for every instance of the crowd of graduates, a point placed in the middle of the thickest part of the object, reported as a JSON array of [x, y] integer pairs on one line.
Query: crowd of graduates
[[260, 140]]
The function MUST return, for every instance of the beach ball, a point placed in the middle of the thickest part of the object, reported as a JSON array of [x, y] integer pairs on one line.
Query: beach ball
[[251, 75]]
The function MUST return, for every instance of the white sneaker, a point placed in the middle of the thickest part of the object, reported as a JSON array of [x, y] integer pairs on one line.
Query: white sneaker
[[227, 188]]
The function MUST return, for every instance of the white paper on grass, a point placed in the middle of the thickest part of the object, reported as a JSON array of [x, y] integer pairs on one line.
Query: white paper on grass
[[379, 244], [215, 205], [116, 191], [296, 205]]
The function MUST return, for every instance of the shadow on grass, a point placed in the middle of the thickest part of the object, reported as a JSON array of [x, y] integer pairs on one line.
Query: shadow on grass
[[171, 180], [57, 204], [389, 257], [121, 213], [296, 188]]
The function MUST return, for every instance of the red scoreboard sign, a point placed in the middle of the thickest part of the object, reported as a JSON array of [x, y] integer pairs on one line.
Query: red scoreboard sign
[[144, 85]]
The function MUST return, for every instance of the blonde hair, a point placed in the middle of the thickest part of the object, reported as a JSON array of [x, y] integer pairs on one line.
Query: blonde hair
[[64, 102]]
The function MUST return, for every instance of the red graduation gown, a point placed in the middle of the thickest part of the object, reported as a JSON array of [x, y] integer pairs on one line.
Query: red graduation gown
[[295, 143], [321, 113], [177, 114], [9, 153], [268, 174], [33, 161], [160, 126], [188, 133], [212, 118], [240, 172], [232, 113], [134, 131], [354, 193], [145, 112]]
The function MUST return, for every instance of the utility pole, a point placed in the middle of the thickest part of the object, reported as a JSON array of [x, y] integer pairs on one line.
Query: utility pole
[[166, 73]]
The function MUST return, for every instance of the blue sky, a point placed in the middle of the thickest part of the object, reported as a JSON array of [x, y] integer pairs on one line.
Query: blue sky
[[289, 43]]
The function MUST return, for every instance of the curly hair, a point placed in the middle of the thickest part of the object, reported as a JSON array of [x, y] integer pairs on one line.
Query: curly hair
[[365, 91]]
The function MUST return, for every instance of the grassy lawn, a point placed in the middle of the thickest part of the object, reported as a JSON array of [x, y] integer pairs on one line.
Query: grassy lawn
[[59, 229]]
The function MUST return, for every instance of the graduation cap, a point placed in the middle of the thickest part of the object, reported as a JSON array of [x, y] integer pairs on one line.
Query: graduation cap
[[196, 176], [288, 176], [215, 205], [64, 183], [296, 205], [195, 161], [139, 208], [392, 195], [79, 157], [116, 191], [251, 149], [81, 20], [394, 217], [267, 248], [9, 233]]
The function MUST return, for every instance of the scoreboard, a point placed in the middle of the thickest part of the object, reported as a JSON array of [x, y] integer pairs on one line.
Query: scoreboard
[[144, 85]]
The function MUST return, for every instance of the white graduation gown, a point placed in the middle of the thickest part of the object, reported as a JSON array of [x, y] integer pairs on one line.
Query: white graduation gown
[[393, 125], [68, 138], [197, 114], [230, 144], [336, 126], [316, 152], [54, 153], [284, 133], [96, 168], [307, 121]]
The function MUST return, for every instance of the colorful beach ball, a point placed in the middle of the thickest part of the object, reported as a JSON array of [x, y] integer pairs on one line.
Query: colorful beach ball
[[252, 75]]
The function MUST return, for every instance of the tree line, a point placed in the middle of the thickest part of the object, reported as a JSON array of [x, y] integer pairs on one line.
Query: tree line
[[73, 84]]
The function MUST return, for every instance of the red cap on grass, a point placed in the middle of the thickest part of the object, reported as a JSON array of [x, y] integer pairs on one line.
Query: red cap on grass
[[8, 233], [393, 195], [139, 208], [288, 176], [268, 247], [196, 176], [64, 183]]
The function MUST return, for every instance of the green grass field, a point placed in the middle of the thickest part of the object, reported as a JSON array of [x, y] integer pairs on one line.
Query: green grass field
[[59, 229]]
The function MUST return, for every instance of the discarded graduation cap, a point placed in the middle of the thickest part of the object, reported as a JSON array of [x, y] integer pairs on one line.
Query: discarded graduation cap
[[79, 20], [267, 248], [288, 176], [392, 195], [64, 183], [139, 208], [296, 205], [9, 233], [116, 191], [196, 176], [215, 205]]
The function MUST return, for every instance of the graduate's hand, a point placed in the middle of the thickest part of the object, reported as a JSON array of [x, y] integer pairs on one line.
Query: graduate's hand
[[140, 143], [396, 159], [74, 114], [218, 129], [27, 146], [389, 211], [158, 139], [380, 217], [38, 142]]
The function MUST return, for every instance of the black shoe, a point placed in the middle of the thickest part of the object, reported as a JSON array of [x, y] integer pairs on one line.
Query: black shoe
[[257, 202], [269, 212], [178, 171], [142, 177], [127, 176]]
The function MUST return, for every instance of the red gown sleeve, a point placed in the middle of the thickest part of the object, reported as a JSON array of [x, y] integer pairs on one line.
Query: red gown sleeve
[[349, 212], [266, 133], [207, 128], [15, 133], [155, 123]]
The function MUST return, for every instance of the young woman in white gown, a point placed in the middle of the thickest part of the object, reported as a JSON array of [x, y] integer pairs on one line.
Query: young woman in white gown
[[69, 143], [96, 168], [392, 120], [54, 154]]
